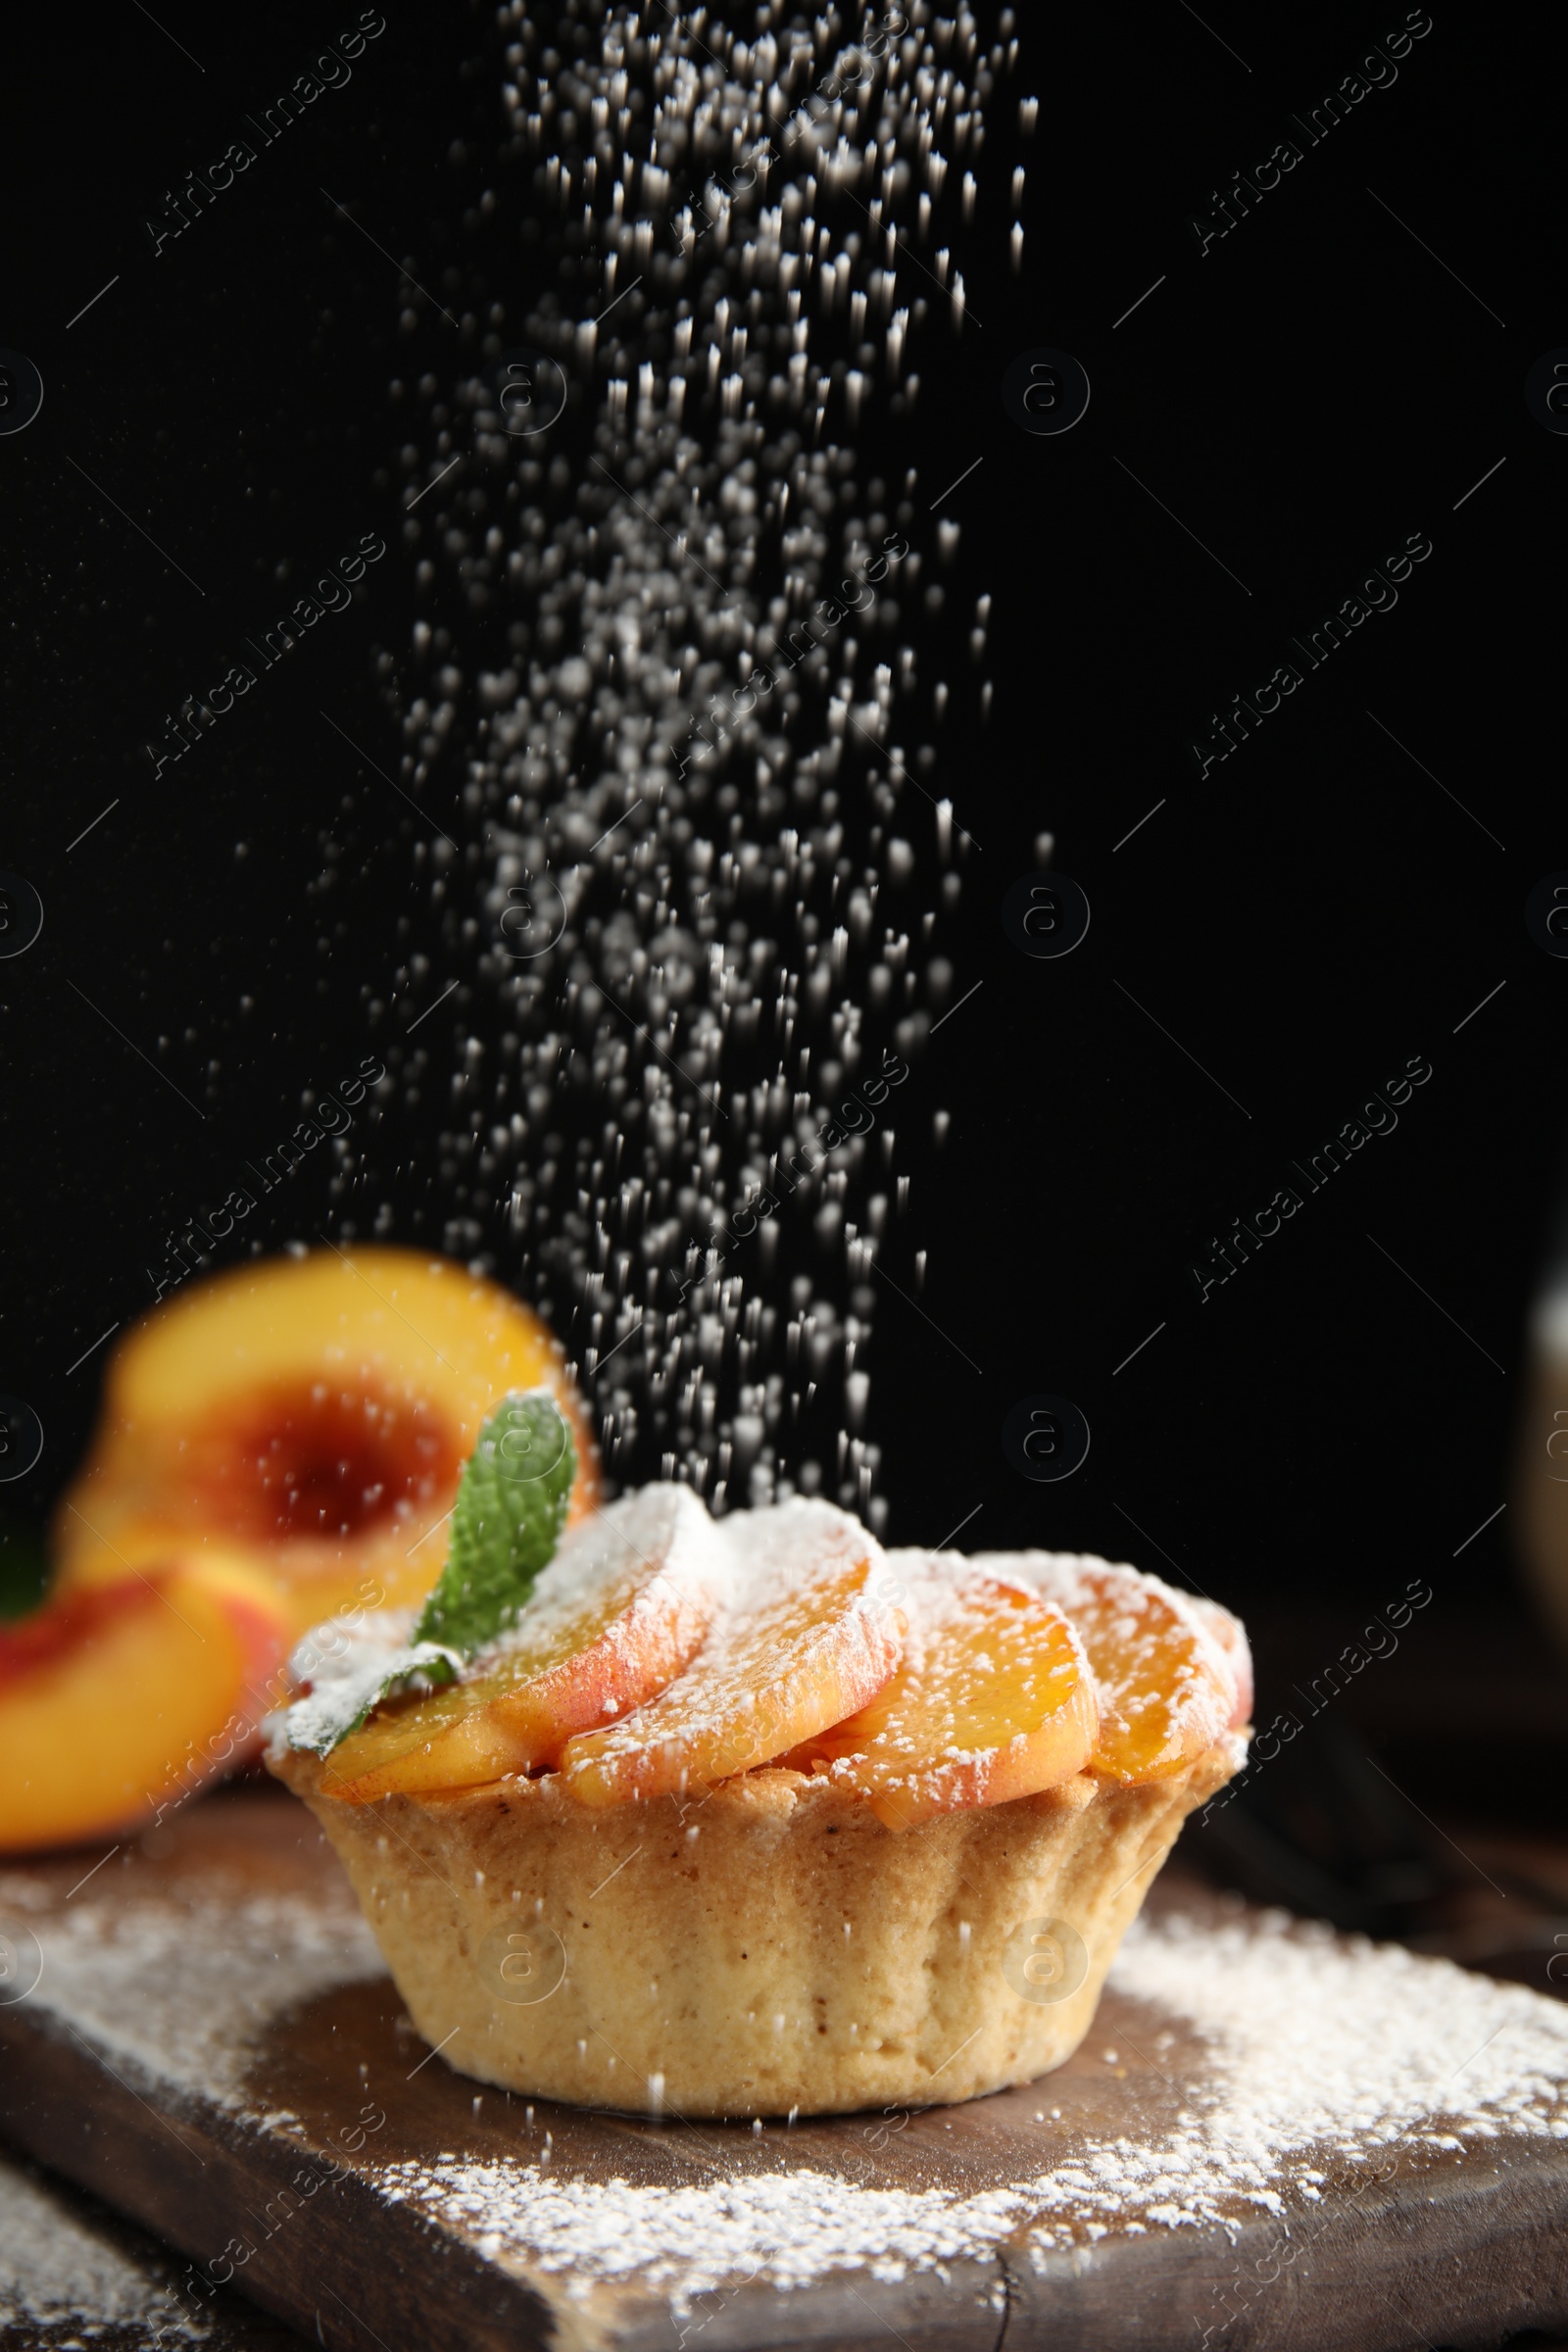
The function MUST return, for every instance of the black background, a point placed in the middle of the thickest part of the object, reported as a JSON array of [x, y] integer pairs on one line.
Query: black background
[[1304, 920]]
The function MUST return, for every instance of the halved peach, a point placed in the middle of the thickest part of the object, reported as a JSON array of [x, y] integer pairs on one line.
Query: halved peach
[[1165, 1691], [310, 1415], [992, 1699], [120, 1699], [802, 1643], [616, 1616]]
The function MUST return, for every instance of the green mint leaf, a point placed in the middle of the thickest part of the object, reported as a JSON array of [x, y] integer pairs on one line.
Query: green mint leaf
[[510, 1509]]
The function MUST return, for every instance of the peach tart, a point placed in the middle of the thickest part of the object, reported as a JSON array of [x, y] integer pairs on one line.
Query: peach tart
[[748, 1817]]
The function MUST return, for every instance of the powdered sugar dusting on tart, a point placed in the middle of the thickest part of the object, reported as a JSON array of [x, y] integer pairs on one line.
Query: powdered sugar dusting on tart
[[1229, 1637], [772, 1558], [1080, 1586], [979, 1650], [347, 1666], [780, 1547], [346, 1662], [663, 1527]]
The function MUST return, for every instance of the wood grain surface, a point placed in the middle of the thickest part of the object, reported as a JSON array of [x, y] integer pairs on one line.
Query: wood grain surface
[[265, 2110]]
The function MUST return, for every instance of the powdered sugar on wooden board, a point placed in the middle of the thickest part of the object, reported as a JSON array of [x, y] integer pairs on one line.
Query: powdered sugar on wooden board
[[1272, 2066], [1322, 2053], [58, 2272], [181, 1984]]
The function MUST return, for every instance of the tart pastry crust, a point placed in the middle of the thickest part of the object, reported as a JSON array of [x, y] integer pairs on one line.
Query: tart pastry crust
[[766, 1947]]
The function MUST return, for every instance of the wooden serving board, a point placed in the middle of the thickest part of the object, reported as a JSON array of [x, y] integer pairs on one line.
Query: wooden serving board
[[75, 2275], [214, 2049]]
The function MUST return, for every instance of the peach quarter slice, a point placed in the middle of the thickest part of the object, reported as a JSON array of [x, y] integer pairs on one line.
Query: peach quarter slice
[[120, 1700], [613, 1618], [801, 1644], [1165, 1691], [992, 1699], [1229, 1637]]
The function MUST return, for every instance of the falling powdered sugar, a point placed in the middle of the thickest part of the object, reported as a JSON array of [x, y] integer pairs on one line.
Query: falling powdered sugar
[[685, 705]]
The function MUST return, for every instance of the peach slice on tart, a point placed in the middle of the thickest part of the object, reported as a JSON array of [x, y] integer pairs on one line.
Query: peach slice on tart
[[122, 1698], [1166, 1689], [801, 1641], [1229, 1637], [992, 1698], [613, 1618], [308, 1415]]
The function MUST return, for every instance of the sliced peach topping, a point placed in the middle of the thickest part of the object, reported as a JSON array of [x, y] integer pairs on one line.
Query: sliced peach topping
[[992, 1699], [616, 1616], [121, 1699], [1229, 1637], [1165, 1691], [801, 1645]]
